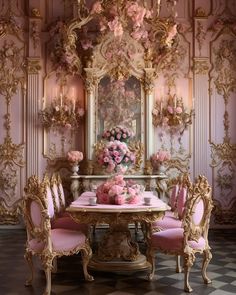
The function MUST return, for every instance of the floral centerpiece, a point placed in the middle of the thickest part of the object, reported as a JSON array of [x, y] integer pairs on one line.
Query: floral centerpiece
[[117, 133], [116, 157], [118, 191], [74, 157], [158, 159]]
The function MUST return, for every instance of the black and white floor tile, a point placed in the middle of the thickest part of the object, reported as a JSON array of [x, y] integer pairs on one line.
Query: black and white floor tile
[[69, 279]]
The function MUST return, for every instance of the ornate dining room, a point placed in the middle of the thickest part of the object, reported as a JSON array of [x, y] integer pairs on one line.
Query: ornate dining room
[[117, 147]]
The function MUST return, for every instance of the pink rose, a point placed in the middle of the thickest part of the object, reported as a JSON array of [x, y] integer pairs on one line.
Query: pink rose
[[119, 200], [134, 199], [178, 110], [170, 110], [97, 7]]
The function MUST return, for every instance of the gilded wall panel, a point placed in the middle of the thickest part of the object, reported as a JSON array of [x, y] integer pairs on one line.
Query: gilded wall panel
[[223, 146], [12, 102]]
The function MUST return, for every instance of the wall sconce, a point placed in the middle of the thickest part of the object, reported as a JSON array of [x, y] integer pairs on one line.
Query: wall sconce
[[62, 114], [172, 115]]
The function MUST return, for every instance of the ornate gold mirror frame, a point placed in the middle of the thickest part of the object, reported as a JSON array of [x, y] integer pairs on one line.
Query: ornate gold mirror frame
[[108, 86]]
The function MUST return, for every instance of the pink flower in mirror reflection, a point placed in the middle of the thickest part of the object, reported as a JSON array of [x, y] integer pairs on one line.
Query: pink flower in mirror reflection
[[178, 110], [170, 110], [97, 7], [80, 111], [68, 126]]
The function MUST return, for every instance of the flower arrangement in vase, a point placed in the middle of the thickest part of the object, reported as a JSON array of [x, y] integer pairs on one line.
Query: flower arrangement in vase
[[118, 191], [74, 157], [159, 159], [117, 133], [116, 157]]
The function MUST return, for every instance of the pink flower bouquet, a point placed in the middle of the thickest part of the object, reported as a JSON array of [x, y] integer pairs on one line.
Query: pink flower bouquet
[[160, 156], [116, 157], [118, 191], [74, 157]]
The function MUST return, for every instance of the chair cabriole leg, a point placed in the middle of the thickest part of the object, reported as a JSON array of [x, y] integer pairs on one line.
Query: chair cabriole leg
[[86, 255], [28, 258], [207, 258]]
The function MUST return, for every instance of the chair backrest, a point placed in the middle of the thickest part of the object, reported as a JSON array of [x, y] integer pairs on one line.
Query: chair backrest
[[61, 192], [198, 210], [35, 210], [49, 197], [55, 193]]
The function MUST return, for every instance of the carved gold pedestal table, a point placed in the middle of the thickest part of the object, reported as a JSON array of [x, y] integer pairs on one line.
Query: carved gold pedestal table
[[117, 251]]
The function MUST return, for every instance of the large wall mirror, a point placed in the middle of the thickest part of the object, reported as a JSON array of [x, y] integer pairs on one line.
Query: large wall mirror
[[119, 103]]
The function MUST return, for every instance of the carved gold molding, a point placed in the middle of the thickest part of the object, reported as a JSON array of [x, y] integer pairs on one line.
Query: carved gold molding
[[200, 36], [33, 66], [9, 216], [200, 12], [201, 66], [223, 152], [11, 154], [224, 216]]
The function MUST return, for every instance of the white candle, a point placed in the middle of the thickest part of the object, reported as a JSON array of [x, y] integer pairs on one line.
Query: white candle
[[73, 92], [61, 98]]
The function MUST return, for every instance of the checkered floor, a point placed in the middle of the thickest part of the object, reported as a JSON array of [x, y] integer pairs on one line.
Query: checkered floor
[[69, 279]]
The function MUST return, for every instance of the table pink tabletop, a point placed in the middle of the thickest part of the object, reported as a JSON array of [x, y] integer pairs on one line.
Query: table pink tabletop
[[82, 204]]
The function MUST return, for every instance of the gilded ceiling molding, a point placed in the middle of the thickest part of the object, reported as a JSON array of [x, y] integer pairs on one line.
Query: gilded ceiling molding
[[201, 66], [33, 66]]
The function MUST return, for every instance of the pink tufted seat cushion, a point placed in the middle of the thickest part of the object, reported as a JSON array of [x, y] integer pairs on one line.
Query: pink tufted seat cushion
[[62, 240], [167, 222], [172, 240], [67, 222]]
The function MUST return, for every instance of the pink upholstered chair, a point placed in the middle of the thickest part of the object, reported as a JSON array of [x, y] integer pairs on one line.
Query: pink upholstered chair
[[56, 200], [47, 243], [178, 197], [192, 238]]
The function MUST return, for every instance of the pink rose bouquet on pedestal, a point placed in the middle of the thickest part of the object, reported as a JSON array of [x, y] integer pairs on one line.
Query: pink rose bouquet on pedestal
[[74, 157], [158, 159], [117, 191]]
